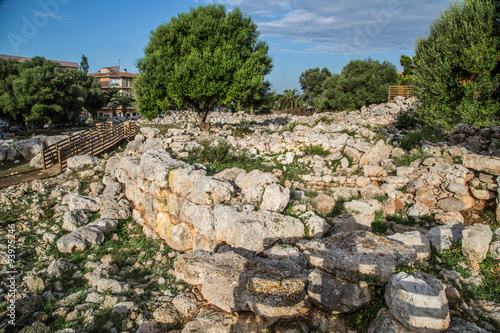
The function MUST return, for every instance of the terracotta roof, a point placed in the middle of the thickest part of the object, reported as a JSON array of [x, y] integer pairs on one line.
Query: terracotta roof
[[21, 59], [114, 74]]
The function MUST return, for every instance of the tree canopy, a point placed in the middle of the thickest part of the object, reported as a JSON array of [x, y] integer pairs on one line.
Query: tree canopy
[[311, 82], [360, 83], [204, 58], [457, 79], [39, 91]]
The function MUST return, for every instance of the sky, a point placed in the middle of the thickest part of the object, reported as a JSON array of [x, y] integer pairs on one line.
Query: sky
[[301, 34]]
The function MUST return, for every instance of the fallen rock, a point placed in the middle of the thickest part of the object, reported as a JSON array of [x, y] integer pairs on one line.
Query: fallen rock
[[451, 204], [487, 164], [476, 242], [324, 204], [76, 201], [459, 325], [443, 237], [275, 198], [336, 295], [358, 255], [77, 162], [86, 236], [253, 185], [386, 323], [74, 219], [233, 283], [415, 239], [418, 301]]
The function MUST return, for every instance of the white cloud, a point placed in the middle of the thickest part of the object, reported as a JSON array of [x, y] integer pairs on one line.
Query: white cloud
[[51, 15], [343, 26]]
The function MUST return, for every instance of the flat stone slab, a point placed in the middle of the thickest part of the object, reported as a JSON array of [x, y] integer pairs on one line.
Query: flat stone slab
[[234, 283], [358, 255]]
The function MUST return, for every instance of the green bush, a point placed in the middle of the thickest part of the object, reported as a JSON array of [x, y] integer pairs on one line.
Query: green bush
[[361, 82], [413, 139], [457, 78], [241, 131], [407, 120]]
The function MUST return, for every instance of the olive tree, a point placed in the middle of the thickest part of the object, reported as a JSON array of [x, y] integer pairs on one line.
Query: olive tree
[[204, 58], [457, 79]]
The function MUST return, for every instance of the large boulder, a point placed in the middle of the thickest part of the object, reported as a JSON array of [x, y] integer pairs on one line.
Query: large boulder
[[415, 239], [336, 295], [200, 189], [443, 237], [253, 185], [418, 301], [28, 148], [87, 236], [486, 164], [255, 230], [74, 219], [233, 283], [376, 154], [476, 242], [358, 255], [77, 162], [76, 201], [275, 198], [386, 323]]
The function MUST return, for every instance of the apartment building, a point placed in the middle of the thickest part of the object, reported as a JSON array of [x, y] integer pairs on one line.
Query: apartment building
[[111, 77]]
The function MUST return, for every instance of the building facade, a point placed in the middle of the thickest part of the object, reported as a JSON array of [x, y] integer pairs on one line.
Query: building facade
[[111, 77]]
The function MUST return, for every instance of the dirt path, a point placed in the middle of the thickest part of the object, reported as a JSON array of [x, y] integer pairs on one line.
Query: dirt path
[[28, 176]]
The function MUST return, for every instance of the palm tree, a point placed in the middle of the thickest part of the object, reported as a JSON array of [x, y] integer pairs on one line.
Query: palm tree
[[290, 99], [110, 94], [121, 99]]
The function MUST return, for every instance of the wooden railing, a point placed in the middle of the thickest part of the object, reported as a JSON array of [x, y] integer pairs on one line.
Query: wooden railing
[[405, 91], [90, 142]]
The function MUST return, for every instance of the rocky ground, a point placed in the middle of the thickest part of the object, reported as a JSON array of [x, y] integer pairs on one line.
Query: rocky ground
[[329, 223]]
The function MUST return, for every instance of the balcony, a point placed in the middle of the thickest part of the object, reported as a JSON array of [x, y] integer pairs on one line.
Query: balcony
[[106, 85]]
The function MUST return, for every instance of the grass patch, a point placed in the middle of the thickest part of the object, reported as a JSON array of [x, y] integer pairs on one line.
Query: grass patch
[[242, 131], [218, 155], [313, 150], [325, 120], [378, 225], [406, 160], [348, 132], [361, 319], [292, 126], [413, 139]]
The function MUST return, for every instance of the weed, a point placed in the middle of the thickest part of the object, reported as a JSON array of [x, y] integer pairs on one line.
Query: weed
[[324, 120], [378, 225], [360, 319]]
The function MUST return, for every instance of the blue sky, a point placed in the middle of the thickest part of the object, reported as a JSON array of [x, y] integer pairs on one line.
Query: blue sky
[[301, 34]]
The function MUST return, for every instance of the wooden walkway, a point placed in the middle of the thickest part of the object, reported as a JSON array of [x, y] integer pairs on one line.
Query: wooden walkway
[[91, 142]]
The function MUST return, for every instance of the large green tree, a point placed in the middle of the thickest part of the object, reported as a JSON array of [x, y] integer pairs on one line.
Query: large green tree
[[311, 82], [360, 83], [39, 91], [204, 58], [457, 78]]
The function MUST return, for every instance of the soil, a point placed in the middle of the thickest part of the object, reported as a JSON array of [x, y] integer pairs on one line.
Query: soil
[[28, 176]]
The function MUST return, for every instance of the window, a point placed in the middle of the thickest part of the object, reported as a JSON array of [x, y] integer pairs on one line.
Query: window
[[114, 82]]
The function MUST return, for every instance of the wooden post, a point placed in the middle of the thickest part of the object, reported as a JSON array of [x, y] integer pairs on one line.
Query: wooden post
[[58, 155], [43, 159]]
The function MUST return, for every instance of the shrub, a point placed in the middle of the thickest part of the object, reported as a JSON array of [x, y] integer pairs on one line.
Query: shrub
[[457, 77], [361, 82], [241, 131], [413, 139]]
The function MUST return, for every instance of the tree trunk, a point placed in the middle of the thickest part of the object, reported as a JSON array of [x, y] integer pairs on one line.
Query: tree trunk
[[202, 119]]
